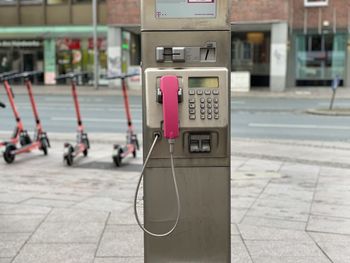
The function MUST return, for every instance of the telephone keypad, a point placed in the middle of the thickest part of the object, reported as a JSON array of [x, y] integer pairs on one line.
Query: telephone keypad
[[192, 92], [208, 103]]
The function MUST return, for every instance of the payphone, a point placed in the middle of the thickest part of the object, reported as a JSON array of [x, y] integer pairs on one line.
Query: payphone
[[186, 130]]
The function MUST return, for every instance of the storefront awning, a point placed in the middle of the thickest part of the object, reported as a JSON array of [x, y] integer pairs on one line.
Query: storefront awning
[[47, 32]]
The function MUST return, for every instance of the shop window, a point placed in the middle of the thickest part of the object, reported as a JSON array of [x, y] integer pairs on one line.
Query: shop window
[[57, 2], [251, 52], [8, 2], [320, 58], [29, 2], [78, 55]]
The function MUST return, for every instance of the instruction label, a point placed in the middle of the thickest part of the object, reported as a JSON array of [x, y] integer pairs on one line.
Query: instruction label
[[185, 9]]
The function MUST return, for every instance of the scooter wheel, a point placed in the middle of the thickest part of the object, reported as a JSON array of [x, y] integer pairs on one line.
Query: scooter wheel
[[87, 145], [8, 156], [117, 157], [68, 156], [25, 140], [69, 159], [44, 146], [134, 153]]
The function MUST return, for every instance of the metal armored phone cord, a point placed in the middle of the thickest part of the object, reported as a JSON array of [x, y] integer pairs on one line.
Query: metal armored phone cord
[[171, 150]]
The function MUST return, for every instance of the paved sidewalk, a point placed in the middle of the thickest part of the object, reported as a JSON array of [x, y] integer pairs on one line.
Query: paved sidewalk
[[290, 203]]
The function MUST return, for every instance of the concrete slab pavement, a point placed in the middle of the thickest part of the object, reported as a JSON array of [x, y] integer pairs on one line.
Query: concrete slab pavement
[[290, 203]]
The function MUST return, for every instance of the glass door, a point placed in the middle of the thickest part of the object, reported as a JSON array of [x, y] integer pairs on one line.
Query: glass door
[[319, 59]]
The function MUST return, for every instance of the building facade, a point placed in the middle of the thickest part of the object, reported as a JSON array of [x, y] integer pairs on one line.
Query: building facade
[[281, 43], [54, 36]]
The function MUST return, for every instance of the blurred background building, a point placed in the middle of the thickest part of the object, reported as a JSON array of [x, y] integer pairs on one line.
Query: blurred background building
[[51, 35], [278, 43]]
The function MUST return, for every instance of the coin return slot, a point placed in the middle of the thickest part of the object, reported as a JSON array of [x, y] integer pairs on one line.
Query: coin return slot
[[199, 143]]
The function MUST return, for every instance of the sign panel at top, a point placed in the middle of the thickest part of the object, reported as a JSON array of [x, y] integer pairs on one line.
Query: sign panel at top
[[315, 3], [185, 9]]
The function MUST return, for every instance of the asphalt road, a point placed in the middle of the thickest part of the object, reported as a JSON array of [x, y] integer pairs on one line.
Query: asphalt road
[[276, 118]]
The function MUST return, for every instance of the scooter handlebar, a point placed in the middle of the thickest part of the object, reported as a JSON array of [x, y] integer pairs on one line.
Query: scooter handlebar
[[72, 75], [5, 75], [122, 76], [26, 74]]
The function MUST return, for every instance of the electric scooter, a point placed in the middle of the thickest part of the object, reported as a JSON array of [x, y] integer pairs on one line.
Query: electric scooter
[[132, 143], [41, 141], [82, 142], [20, 134]]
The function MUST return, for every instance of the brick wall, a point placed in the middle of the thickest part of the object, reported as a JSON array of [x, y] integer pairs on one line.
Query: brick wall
[[127, 12], [259, 10], [341, 7], [123, 12]]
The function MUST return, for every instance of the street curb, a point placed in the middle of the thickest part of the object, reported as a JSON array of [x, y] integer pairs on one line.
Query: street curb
[[326, 112]]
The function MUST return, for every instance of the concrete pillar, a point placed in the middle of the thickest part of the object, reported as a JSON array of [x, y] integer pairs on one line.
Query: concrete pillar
[[278, 70], [114, 40], [347, 66]]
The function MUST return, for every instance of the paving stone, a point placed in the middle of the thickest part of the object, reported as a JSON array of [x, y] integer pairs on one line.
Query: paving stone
[[10, 243], [335, 246], [76, 216], [289, 210], [330, 210], [260, 165], [56, 253], [121, 241], [234, 230], [19, 223], [239, 253], [273, 234], [237, 215], [48, 202], [119, 260], [297, 171], [20, 209], [273, 222], [5, 260], [327, 224], [14, 197], [292, 260], [125, 217], [68, 232], [259, 249], [103, 204]]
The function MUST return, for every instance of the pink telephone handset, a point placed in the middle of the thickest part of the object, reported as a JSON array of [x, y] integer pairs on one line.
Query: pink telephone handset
[[169, 87]]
